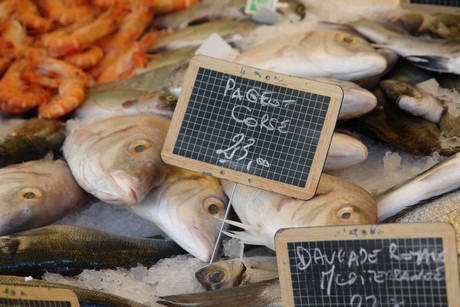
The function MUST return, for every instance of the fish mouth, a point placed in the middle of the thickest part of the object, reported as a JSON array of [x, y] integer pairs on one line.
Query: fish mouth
[[202, 247], [130, 194]]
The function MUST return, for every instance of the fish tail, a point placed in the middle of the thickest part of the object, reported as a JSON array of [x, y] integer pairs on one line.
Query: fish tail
[[432, 62], [257, 294]]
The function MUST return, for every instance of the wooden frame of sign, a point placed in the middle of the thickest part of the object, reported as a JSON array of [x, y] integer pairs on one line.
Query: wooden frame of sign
[[371, 265], [252, 126], [432, 6], [37, 296]]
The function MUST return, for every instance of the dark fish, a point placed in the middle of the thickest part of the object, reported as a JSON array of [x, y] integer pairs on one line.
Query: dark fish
[[31, 139], [68, 250], [85, 296], [261, 293]]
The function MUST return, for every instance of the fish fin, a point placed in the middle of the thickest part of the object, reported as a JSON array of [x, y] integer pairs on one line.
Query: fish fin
[[246, 237], [431, 62], [246, 227], [256, 294]]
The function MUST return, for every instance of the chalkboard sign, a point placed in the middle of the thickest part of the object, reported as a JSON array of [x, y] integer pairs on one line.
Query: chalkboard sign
[[433, 6], [368, 265], [252, 126], [37, 296]]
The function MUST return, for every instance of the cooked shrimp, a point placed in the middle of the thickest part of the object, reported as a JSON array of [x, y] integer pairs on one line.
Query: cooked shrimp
[[72, 82], [29, 15], [167, 6], [87, 58], [7, 8], [84, 36], [133, 25], [65, 14], [16, 96], [134, 57]]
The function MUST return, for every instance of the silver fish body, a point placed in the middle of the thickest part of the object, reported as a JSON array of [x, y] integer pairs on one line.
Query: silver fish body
[[439, 55], [263, 213], [36, 193], [187, 207], [237, 272], [117, 159], [441, 178], [317, 53]]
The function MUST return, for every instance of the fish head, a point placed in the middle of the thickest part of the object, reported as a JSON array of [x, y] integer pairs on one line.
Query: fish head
[[133, 167], [190, 211], [346, 56], [35, 194], [221, 275]]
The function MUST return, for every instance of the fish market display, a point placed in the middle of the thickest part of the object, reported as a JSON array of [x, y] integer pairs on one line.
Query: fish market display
[[442, 178], [36, 193], [318, 53], [187, 206], [68, 250], [85, 297], [117, 159], [263, 293], [32, 139], [440, 55], [237, 272], [263, 213]]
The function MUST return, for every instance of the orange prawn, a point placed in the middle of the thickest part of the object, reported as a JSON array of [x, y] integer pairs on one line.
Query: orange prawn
[[70, 80], [29, 15], [133, 25], [87, 58], [65, 14], [134, 57], [17, 97], [168, 6], [84, 36]]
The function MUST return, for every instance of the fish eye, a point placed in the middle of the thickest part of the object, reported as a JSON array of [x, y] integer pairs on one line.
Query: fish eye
[[138, 147], [30, 193], [215, 277], [345, 213], [214, 207], [346, 38]]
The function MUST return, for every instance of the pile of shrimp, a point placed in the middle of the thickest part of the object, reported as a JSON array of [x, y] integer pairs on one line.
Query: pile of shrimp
[[51, 51]]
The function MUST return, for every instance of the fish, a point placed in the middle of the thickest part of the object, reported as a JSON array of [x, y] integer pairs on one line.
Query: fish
[[263, 293], [69, 249], [263, 213], [440, 55], [237, 272], [23, 140], [413, 99], [186, 207], [317, 53], [356, 101], [231, 31], [86, 297], [442, 209], [37, 193], [106, 103], [117, 159], [439, 179], [345, 151]]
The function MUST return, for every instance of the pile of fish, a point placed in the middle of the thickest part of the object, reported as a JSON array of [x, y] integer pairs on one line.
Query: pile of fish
[[108, 150]]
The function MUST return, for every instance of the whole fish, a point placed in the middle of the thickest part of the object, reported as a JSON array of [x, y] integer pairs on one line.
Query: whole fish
[[186, 206], [36, 193], [317, 53], [439, 55], [345, 151], [32, 139], [102, 104], [237, 272], [439, 179], [444, 209], [262, 293], [117, 159], [413, 99], [68, 250], [263, 213], [85, 297]]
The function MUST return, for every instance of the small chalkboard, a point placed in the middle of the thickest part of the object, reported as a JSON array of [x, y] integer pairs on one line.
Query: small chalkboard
[[433, 6], [37, 296], [369, 265], [252, 126]]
